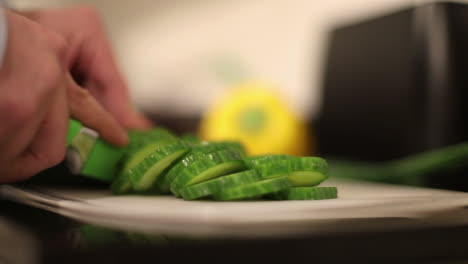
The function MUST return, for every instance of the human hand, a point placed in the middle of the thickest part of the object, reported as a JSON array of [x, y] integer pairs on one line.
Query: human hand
[[91, 60], [38, 97]]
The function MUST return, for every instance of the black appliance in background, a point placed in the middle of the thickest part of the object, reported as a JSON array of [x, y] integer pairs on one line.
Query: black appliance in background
[[396, 85]]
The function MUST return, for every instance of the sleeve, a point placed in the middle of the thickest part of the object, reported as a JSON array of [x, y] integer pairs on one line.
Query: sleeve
[[3, 29], [3, 34]]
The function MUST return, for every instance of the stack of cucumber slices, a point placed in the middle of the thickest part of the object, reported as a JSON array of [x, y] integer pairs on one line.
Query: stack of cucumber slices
[[158, 162]]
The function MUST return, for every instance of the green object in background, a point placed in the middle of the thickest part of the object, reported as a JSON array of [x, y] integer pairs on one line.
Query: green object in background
[[410, 170], [306, 193], [91, 156], [93, 236]]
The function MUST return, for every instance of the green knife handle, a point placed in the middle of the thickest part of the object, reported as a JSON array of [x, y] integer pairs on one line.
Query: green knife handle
[[89, 155]]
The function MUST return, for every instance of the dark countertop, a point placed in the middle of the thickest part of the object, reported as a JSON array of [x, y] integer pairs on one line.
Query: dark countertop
[[30, 235]]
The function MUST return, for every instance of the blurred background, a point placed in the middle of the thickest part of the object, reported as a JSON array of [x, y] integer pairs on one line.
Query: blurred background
[[361, 81], [167, 46]]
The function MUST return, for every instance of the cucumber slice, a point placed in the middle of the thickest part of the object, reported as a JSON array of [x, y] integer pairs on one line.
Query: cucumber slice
[[207, 167], [197, 152], [305, 193], [301, 171], [144, 175], [274, 168], [151, 134], [141, 138], [254, 161], [208, 147], [212, 186], [121, 185], [306, 178], [191, 138], [164, 183], [215, 171], [156, 132], [252, 190], [137, 154]]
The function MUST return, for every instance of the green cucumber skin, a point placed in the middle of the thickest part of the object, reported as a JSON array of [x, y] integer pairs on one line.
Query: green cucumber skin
[[143, 142], [284, 167], [189, 158], [197, 152], [138, 154], [140, 139], [191, 169], [152, 175], [306, 193], [207, 147], [200, 170], [253, 189], [209, 187], [121, 185], [213, 172], [138, 174], [191, 138], [185, 161], [145, 136], [255, 161]]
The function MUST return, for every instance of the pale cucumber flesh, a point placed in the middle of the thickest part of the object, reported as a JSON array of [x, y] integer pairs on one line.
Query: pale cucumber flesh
[[151, 175], [216, 171], [305, 178], [141, 154]]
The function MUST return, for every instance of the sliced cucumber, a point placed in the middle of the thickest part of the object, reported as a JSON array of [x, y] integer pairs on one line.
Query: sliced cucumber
[[253, 190], [301, 171], [168, 178], [121, 184], [207, 167], [137, 154], [197, 152], [158, 132], [208, 147], [141, 138], [215, 185], [151, 134], [254, 161], [144, 174], [306, 178], [192, 138], [276, 168], [215, 171], [306, 193]]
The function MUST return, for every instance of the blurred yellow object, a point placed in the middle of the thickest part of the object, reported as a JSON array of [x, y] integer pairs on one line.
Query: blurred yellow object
[[255, 115]]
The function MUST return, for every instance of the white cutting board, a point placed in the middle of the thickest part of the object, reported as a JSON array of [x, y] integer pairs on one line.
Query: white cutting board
[[168, 215]]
